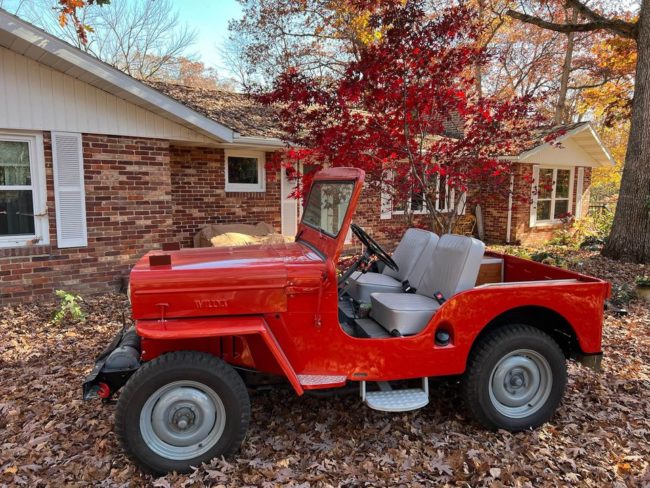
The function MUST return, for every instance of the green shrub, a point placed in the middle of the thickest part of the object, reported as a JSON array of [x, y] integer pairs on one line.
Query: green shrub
[[69, 307], [643, 281], [547, 257], [589, 231], [594, 228], [565, 236]]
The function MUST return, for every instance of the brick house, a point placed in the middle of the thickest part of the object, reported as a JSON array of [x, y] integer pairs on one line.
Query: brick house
[[96, 168]]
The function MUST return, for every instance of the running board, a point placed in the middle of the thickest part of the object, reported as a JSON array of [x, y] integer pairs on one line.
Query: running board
[[316, 381], [389, 400]]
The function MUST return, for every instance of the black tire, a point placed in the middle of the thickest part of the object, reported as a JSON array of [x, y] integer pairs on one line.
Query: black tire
[[203, 369], [493, 350]]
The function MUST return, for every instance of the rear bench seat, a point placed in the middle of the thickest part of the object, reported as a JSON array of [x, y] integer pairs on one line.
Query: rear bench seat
[[453, 268], [411, 255]]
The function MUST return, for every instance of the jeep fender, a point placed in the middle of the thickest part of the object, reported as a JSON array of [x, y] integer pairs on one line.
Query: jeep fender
[[215, 327]]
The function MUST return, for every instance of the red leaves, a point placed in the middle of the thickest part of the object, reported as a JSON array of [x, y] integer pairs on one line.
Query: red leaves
[[393, 104]]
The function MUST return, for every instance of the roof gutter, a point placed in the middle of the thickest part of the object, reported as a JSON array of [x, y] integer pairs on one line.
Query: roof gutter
[[151, 98], [271, 143]]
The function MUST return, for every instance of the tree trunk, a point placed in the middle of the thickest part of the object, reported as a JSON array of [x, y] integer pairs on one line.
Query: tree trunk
[[478, 80], [560, 109], [630, 236]]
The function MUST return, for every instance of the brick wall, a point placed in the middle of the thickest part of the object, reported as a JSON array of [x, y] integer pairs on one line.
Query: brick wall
[[494, 211], [140, 193], [199, 196], [128, 205]]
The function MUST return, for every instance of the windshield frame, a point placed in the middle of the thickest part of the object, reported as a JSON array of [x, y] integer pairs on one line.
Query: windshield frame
[[318, 228]]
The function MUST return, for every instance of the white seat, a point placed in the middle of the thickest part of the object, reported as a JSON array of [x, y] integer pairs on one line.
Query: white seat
[[454, 268], [415, 249]]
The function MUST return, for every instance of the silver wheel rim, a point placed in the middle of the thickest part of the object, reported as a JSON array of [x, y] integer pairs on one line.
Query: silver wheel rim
[[520, 383], [182, 420]]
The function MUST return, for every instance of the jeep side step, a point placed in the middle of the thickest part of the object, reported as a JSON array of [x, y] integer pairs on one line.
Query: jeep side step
[[389, 400]]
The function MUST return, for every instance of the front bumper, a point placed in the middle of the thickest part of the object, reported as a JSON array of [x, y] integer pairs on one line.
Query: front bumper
[[115, 364]]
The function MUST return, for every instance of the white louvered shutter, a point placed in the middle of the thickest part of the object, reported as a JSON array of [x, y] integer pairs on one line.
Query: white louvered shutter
[[289, 206], [533, 204], [579, 190], [386, 199], [69, 194]]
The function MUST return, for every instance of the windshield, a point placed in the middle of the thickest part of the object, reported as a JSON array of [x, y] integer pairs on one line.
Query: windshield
[[327, 205]]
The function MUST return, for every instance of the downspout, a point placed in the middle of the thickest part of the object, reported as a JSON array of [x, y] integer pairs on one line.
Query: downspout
[[509, 225]]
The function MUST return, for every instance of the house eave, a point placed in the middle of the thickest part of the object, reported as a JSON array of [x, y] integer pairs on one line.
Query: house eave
[[598, 158], [264, 143], [34, 43]]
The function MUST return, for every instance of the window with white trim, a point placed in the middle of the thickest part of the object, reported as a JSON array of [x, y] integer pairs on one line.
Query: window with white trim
[[245, 171], [554, 193], [23, 194], [416, 203]]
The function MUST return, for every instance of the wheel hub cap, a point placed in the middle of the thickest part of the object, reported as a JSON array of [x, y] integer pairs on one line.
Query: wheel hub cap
[[520, 383], [182, 420]]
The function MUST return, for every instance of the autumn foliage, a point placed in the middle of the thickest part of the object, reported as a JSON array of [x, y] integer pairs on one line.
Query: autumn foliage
[[405, 112], [68, 11]]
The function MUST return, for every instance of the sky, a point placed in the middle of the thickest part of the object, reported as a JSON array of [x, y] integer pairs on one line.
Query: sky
[[210, 18]]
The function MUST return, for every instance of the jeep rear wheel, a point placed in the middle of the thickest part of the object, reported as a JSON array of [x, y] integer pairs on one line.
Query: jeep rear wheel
[[515, 379], [182, 409]]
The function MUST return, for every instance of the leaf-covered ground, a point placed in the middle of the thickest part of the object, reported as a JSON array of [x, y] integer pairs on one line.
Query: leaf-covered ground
[[599, 437]]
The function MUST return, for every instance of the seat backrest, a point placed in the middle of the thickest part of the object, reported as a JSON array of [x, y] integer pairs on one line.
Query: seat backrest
[[454, 267], [408, 252]]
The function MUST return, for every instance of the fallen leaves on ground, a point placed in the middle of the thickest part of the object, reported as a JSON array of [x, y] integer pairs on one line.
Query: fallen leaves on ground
[[599, 437]]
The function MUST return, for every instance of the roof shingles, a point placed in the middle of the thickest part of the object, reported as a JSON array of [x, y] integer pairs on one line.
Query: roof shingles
[[239, 111], [245, 115]]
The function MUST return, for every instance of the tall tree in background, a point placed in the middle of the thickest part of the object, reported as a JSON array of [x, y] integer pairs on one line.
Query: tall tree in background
[[388, 110], [143, 38], [630, 236], [319, 37]]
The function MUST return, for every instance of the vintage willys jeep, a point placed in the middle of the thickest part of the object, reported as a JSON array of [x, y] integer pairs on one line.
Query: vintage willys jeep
[[209, 321]]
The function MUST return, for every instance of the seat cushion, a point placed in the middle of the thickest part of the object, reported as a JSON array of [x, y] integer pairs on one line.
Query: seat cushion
[[407, 313], [454, 267], [363, 284], [408, 251]]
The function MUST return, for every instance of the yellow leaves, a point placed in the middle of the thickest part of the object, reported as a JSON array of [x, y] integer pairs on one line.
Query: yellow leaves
[[623, 468], [357, 22], [617, 54]]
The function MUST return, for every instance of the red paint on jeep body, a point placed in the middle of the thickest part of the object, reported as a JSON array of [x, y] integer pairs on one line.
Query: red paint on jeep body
[[275, 308]]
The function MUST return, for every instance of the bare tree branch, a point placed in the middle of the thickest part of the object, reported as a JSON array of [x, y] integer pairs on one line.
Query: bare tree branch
[[619, 27], [143, 38]]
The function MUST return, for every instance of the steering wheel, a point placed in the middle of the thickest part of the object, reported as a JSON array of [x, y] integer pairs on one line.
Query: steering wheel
[[373, 247]]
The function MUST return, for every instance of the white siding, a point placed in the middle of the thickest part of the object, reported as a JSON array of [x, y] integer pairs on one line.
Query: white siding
[[36, 97]]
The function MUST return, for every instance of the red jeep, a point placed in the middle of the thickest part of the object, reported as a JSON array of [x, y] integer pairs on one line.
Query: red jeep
[[211, 322]]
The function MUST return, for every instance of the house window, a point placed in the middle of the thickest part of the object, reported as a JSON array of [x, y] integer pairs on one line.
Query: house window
[[553, 194], [416, 203], [245, 171], [23, 216]]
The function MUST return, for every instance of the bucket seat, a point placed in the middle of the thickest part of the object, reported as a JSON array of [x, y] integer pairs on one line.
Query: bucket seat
[[453, 268], [411, 255]]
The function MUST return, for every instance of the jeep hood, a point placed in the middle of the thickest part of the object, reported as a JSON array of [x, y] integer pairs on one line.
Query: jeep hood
[[223, 280]]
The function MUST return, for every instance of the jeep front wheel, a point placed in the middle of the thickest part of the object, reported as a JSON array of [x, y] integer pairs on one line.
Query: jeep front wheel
[[515, 379], [182, 409]]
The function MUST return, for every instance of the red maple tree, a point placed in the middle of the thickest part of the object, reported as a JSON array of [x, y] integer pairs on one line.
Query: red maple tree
[[391, 114]]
